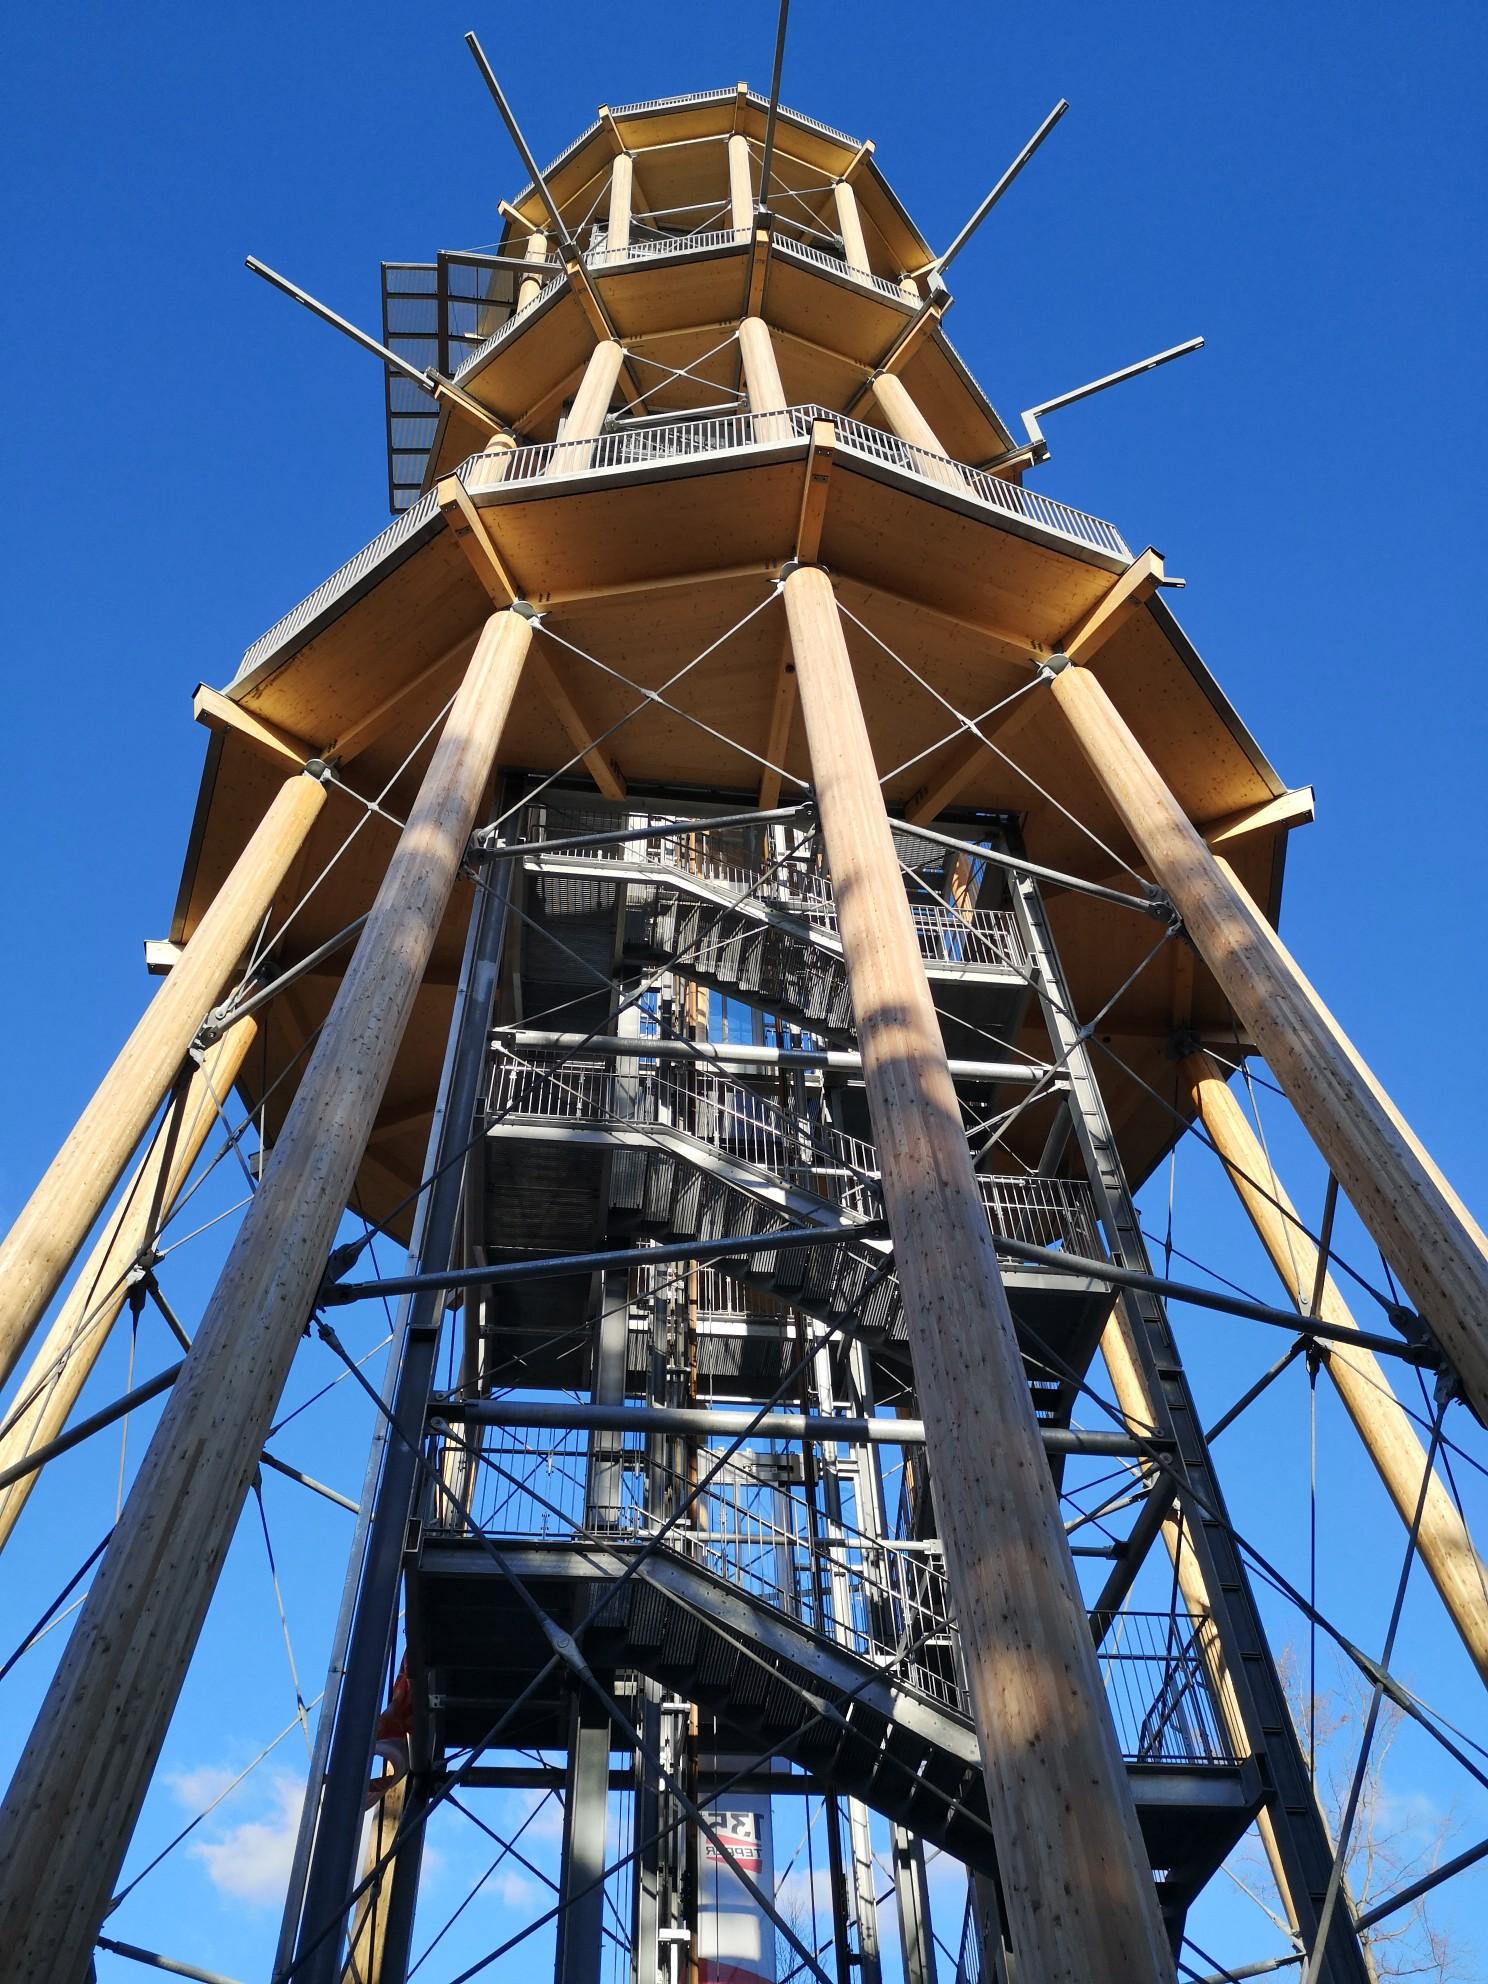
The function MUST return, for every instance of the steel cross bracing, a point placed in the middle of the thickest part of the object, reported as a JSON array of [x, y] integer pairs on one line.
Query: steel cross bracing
[[1302, 1846], [841, 1594]]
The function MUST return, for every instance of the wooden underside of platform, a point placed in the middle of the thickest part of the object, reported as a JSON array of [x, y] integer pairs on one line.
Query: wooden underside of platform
[[638, 575]]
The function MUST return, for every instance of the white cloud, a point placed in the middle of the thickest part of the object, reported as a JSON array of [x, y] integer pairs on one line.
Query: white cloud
[[250, 1861], [513, 1888], [195, 1789]]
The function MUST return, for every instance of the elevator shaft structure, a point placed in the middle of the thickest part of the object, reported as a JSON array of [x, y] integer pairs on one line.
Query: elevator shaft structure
[[720, 824]]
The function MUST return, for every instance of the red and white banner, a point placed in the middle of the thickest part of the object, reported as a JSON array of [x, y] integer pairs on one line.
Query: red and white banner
[[736, 1938]]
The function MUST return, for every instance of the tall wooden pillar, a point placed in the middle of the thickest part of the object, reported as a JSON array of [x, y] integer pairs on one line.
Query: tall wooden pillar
[[1379, 1419], [1141, 1410], [79, 1784], [622, 187], [762, 383], [761, 373], [590, 405], [1080, 1898], [55, 1221], [1438, 1251], [850, 227], [528, 287], [906, 420], [71, 1347], [741, 185]]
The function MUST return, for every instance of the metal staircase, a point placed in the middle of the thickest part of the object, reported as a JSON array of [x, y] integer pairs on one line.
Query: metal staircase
[[854, 1676]]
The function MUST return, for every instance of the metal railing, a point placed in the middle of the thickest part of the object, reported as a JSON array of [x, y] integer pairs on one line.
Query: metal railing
[[875, 444], [738, 1122], [794, 882], [838, 265], [644, 248], [342, 581], [760, 1524], [696, 1101], [473, 360], [648, 444], [1160, 1670]]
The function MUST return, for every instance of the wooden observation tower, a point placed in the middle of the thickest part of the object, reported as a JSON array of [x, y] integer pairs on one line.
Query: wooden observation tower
[[741, 884]]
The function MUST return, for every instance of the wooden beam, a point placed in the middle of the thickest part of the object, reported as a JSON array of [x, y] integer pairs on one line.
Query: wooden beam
[[58, 1216], [1222, 834], [1436, 1248], [1136, 585], [901, 349], [591, 403], [906, 420], [82, 1778], [475, 540], [1382, 1425], [218, 712], [782, 709], [741, 185], [62, 1365], [471, 533], [605, 773], [364, 733], [1074, 1874], [759, 268], [1296, 808], [968, 758], [762, 568], [622, 187], [858, 160], [850, 227], [814, 490]]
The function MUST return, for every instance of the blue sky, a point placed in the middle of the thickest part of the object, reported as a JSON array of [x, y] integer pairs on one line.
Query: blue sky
[[189, 455]]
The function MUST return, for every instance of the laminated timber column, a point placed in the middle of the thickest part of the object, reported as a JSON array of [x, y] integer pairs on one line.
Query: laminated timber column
[[762, 383], [56, 1220], [906, 420], [78, 1787], [528, 287], [1379, 1419], [71, 1347], [622, 188], [1417, 1220], [590, 405], [850, 227], [1080, 1898], [741, 186]]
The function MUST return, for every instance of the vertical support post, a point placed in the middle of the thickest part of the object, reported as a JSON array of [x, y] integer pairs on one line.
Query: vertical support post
[[741, 186], [622, 189], [369, 1938], [585, 1806], [73, 1344], [591, 403], [355, 1677], [607, 1387], [762, 379], [1436, 1248], [645, 1919], [82, 1777], [912, 1897], [1381, 1423], [850, 227], [1152, 1391], [1057, 1788], [55, 1221], [528, 287]]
